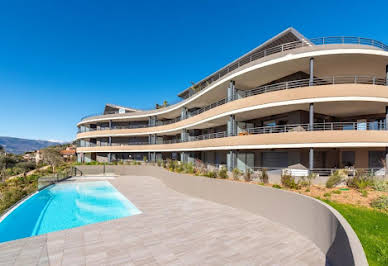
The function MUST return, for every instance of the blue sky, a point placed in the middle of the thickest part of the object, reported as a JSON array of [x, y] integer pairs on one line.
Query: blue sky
[[61, 60]]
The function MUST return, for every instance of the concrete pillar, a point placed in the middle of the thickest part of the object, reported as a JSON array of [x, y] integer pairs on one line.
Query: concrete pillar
[[311, 116], [311, 127], [311, 81], [152, 139], [184, 135], [231, 91], [183, 113], [231, 128], [311, 159], [152, 121], [109, 141], [386, 117], [109, 157], [183, 157], [386, 75], [386, 161], [110, 124], [231, 160]]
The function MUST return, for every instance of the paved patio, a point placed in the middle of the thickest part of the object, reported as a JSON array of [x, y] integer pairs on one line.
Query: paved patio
[[174, 229]]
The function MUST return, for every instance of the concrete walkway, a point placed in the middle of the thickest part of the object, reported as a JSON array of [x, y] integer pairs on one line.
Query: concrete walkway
[[174, 229]]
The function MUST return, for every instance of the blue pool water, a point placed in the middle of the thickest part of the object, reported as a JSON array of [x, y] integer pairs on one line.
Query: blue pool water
[[64, 206]]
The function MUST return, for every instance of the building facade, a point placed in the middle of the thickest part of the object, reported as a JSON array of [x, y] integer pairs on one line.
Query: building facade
[[292, 101]]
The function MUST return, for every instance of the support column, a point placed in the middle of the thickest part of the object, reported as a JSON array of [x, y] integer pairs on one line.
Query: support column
[[152, 139], [110, 124], [231, 128], [183, 157], [184, 135], [311, 128], [231, 159], [386, 161], [183, 113], [386, 75], [152, 121], [311, 81], [109, 157], [109, 141], [231, 91], [386, 118]]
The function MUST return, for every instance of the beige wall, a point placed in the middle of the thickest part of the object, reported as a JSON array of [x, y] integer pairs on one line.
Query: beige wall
[[342, 90], [299, 139]]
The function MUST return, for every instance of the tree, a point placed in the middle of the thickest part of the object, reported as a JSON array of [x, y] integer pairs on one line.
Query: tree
[[52, 157]]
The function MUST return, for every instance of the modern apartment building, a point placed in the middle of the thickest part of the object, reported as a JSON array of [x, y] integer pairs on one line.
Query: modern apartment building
[[321, 103]]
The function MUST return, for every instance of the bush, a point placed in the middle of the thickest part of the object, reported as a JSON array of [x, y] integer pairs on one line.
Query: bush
[[336, 191], [159, 163], [264, 176], [276, 186], [288, 181], [380, 203], [380, 185], [236, 173], [212, 174], [223, 173], [248, 175], [188, 168], [327, 195], [334, 180], [360, 181]]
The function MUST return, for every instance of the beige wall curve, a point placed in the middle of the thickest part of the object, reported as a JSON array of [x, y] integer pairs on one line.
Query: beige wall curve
[[266, 100], [336, 138]]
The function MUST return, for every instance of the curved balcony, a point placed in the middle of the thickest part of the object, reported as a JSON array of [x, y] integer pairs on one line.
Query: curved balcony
[[260, 98], [251, 57], [284, 136]]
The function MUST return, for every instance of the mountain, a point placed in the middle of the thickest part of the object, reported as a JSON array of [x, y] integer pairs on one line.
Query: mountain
[[20, 146]]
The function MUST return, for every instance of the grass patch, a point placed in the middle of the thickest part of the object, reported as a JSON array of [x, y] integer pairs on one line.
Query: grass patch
[[371, 228]]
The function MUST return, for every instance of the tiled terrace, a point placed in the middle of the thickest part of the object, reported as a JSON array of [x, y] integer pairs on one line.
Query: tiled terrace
[[174, 229]]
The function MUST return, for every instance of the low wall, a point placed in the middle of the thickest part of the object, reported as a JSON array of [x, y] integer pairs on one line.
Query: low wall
[[310, 217]]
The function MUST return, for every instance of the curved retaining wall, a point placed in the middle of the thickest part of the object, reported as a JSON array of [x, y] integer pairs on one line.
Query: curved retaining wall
[[310, 217]]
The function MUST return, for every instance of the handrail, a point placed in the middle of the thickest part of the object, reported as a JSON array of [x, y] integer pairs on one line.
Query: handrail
[[329, 80], [281, 48], [330, 126]]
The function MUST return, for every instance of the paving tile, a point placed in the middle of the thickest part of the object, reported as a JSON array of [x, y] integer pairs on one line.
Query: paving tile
[[173, 229]]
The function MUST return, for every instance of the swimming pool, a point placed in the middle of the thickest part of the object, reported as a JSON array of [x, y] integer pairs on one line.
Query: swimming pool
[[64, 206]]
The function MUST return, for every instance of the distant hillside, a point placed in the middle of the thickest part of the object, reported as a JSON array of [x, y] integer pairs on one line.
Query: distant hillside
[[20, 146]]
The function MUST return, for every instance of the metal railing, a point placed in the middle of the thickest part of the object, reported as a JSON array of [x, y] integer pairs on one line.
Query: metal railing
[[282, 48], [330, 126]]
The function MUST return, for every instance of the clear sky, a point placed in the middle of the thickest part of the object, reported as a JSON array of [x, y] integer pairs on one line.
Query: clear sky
[[61, 60]]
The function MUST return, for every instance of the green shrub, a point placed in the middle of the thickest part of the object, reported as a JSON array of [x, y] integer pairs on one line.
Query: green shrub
[[307, 190], [276, 186], [336, 191], [179, 168], [264, 176], [380, 203], [223, 173], [212, 174], [364, 192], [334, 180], [159, 163], [288, 181], [327, 195], [188, 168], [236, 173], [360, 181], [145, 159], [248, 175], [380, 185]]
